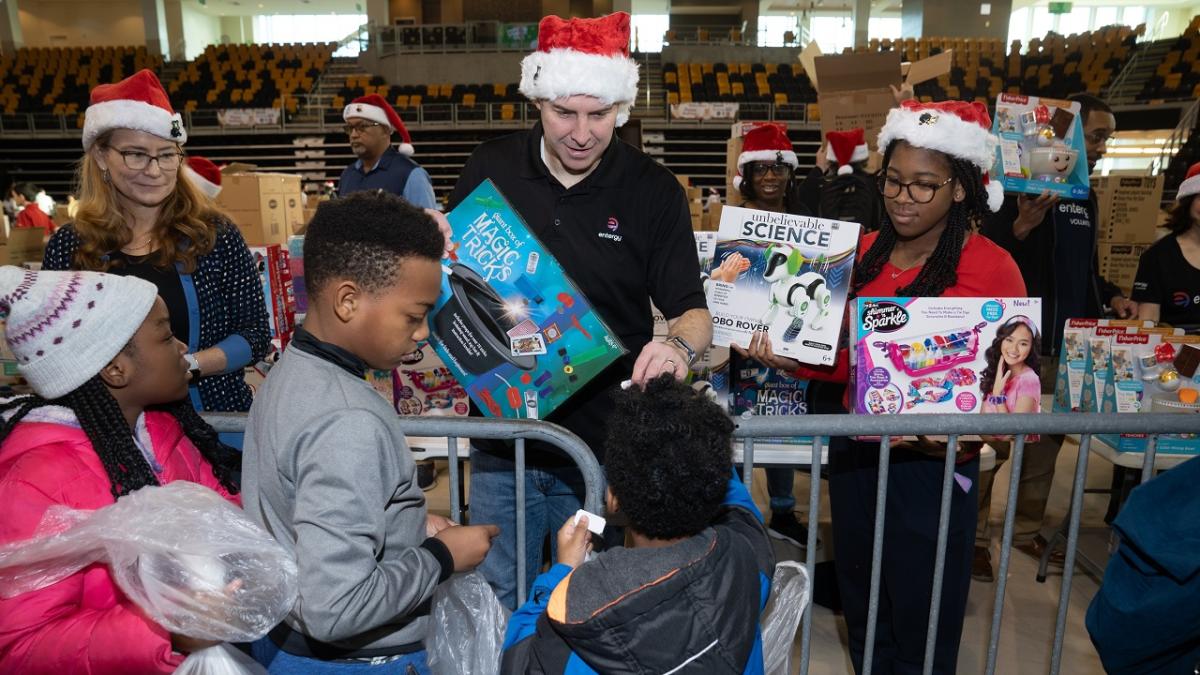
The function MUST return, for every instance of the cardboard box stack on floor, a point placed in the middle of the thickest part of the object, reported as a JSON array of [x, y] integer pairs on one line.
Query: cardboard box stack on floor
[[267, 207], [1128, 210]]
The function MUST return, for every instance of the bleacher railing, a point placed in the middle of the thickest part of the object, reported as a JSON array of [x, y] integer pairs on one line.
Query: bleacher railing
[[473, 36]]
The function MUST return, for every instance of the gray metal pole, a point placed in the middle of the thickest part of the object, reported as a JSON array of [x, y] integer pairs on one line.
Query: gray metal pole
[[521, 562], [885, 458], [810, 556], [1010, 516], [1148, 457], [1073, 518], [748, 462], [939, 563], [455, 498]]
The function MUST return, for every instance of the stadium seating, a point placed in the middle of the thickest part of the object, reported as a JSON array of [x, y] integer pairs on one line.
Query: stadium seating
[[1178, 74], [58, 79], [405, 97], [250, 76]]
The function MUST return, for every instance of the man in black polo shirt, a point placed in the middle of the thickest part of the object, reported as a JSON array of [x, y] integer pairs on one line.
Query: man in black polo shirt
[[618, 223]]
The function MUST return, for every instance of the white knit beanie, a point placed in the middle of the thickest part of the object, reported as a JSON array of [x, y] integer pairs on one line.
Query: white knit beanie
[[65, 327]]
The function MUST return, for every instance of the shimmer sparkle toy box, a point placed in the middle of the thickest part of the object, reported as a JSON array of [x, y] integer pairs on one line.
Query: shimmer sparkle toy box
[[929, 355], [509, 324]]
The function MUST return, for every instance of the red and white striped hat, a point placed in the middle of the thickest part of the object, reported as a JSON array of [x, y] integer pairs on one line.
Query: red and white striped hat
[[204, 175], [1190, 184], [137, 102]]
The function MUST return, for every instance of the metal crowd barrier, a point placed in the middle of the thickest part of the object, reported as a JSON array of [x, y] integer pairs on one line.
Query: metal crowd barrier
[[821, 427], [454, 429]]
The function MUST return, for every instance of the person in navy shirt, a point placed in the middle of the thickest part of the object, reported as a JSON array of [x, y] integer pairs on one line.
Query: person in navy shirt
[[370, 123]]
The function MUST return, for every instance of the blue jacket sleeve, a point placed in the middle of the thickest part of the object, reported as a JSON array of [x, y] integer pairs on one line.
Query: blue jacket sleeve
[[418, 190], [737, 495], [250, 332], [523, 622]]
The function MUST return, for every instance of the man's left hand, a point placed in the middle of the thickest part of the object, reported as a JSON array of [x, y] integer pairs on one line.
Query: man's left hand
[[1123, 307], [443, 225], [658, 358]]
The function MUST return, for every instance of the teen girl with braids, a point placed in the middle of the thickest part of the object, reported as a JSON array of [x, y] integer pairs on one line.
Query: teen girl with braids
[[935, 195], [109, 415]]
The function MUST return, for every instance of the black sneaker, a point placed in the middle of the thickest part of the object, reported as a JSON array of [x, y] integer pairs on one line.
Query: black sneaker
[[426, 475], [785, 527]]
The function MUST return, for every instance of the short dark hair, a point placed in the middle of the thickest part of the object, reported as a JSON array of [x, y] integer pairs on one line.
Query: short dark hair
[[1180, 220], [27, 190], [364, 237], [1089, 104], [669, 458]]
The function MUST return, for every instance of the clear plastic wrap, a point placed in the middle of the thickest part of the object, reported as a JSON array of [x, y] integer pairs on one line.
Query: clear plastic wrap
[[790, 594], [219, 660], [191, 560], [466, 629]]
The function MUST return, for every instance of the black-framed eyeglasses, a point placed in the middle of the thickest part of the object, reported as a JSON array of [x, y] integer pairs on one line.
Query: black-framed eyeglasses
[[362, 128], [919, 191], [1097, 138], [760, 169], [136, 160]]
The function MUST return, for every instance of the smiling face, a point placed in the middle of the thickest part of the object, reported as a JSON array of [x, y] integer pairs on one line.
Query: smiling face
[[577, 130], [148, 187], [1016, 346], [769, 180]]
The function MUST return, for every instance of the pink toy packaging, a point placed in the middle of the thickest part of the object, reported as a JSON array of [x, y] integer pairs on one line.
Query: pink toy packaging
[[930, 355]]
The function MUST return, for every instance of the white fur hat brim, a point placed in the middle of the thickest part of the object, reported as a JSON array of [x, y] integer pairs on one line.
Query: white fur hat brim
[[367, 112], [1188, 188], [206, 186], [135, 115], [787, 156], [860, 154], [561, 73], [947, 133]]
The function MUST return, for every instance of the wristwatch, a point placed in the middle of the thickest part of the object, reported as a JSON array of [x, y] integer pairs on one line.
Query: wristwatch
[[682, 344], [193, 366]]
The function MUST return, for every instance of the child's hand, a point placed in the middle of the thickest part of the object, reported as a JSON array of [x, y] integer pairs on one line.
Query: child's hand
[[1002, 376], [435, 523], [468, 544], [574, 542], [760, 350], [729, 269]]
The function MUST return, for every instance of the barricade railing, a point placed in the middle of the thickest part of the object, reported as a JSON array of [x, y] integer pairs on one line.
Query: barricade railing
[[822, 427], [455, 429]]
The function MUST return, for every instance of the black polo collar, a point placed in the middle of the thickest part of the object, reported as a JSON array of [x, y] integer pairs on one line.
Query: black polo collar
[[329, 352]]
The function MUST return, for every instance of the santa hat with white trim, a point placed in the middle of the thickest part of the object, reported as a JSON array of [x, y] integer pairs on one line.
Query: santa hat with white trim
[[766, 143], [204, 175], [137, 102], [587, 57], [375, 108], [846, 148], [957, 128], [1190, 184]]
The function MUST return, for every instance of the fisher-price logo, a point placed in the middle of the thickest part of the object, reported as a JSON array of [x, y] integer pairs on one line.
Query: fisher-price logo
[[884, 317]]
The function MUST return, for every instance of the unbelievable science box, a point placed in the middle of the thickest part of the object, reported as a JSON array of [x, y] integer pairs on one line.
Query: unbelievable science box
[[510, 324], [928, 355], [788, 275]]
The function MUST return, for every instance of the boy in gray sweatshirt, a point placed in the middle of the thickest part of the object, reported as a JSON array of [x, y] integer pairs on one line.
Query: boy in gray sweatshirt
[[327, 470]]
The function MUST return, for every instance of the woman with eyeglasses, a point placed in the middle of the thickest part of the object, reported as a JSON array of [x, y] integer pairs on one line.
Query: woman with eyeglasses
[[137, 217], [936, 194], [766, 168]]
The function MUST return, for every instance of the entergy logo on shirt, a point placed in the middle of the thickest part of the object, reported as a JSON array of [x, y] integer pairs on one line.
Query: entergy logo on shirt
[[613, 225]]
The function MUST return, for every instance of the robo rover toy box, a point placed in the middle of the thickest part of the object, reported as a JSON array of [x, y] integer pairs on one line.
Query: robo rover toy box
[[788, 275], [509, 324], [928, 355]]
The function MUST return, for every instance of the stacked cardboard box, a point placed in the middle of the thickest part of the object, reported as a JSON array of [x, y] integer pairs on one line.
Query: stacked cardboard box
[[266, 207], [1128, 211]]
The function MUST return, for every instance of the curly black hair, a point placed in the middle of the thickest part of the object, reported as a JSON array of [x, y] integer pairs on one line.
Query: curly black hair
[[101, 419], [1180, 220], [940, 271], [669, 458], [364, 237], [987, 378]]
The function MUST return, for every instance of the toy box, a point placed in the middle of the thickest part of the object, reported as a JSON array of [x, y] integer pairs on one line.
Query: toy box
[[509, 323], [1145, 373], [788, 275], [1041, 146], [1083, 361], [927, 355], [758, 390], [425, 386]]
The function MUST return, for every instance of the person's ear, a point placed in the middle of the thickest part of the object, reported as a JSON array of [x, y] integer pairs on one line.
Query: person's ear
[[611, 505], [347, 300], [119, 372], [98, 157], [959, 193]]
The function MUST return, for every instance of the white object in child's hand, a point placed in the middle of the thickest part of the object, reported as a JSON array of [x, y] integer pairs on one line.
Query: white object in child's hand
[[625, 384], [595, 523]]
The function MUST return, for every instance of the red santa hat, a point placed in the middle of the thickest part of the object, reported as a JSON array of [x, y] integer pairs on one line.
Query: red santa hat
[[137, 102], [1190, 184], [583, 56], [956, 128], [375, 108], [204, 175], [846, 148], [767, 143]]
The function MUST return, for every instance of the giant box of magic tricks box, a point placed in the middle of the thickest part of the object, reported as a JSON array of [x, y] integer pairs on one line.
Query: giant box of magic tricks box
[[510, 324]]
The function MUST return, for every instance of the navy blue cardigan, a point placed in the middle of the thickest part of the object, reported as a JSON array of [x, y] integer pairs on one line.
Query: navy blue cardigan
[[226, 310]]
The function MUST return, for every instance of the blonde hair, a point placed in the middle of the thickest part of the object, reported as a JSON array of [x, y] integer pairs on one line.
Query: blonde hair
[[185, 229]]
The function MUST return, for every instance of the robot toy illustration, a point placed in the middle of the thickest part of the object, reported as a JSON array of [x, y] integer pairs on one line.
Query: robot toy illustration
[[804, 297]]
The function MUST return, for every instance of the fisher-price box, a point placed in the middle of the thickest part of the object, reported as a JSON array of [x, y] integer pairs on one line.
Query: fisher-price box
[[926, 355], [786, 274], [1145, 373], [1040, 146]]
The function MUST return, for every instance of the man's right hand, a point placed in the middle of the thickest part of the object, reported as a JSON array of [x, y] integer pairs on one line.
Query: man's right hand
[[468, 544], [1031, 211]]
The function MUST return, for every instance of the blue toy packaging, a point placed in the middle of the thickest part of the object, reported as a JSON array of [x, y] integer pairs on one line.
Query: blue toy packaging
[[1041, 146], [510, 325], [1145, 373], [788, 275], [927, 355]]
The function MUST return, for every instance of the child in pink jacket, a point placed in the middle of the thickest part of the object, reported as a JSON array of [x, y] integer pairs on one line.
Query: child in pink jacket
[[110, 415]]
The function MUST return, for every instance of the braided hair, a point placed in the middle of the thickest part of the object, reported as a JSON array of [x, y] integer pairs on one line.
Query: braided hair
[[940, 271], [101, 419]]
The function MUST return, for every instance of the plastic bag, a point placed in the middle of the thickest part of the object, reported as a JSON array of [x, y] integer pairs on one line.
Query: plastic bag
[[219, 660], [790, 594], [466, 629], [191, 560]]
